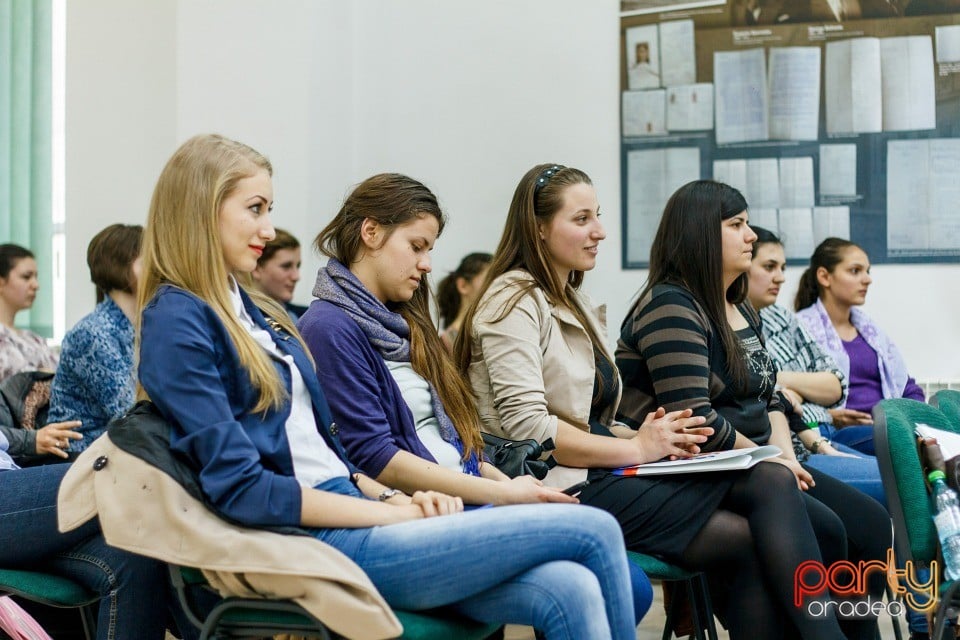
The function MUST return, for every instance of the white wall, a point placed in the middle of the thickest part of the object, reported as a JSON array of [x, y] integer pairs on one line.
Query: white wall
[[276, 75], [463, 95], [121, 96]]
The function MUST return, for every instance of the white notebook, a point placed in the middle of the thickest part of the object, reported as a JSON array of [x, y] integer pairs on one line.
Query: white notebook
[[715, 461]]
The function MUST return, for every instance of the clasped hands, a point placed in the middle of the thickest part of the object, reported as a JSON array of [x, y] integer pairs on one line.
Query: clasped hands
[[673, 435]]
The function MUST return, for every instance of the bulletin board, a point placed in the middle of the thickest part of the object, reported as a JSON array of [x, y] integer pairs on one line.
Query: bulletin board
[[833, 117]]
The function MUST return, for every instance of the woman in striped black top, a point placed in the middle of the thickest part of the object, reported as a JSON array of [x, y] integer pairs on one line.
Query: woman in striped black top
[[692, 341]]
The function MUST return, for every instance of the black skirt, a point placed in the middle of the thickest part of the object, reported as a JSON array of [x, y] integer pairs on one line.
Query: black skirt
[[659, 515]]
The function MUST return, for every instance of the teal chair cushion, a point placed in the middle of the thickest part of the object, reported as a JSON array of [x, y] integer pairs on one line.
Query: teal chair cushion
[[45, 588], [266, 618], [948, 401], [437, 625], [657, 569]]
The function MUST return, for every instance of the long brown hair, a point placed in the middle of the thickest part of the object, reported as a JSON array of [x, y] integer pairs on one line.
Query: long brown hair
[[393, 200], [537, 198], [688, 251], [181, 246]]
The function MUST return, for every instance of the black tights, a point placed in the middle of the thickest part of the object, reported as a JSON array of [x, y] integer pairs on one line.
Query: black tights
[[832, 504], [754, 543]]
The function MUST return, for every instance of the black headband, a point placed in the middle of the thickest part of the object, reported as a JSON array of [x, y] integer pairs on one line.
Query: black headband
[[544, 178]]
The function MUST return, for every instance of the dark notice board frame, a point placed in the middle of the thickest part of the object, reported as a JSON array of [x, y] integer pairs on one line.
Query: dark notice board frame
[[868, 210]]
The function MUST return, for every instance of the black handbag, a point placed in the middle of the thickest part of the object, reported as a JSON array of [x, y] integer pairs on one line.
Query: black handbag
[[519, 457]]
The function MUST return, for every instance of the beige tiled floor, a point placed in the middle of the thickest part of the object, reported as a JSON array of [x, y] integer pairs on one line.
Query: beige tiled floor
[[652, 626]]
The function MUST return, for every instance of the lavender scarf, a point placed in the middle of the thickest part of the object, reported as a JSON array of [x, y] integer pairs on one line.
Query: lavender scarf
[[893, 370], [388, 334]]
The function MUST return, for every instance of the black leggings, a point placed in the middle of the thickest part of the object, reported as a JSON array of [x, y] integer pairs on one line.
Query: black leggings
[[752, 546], [753, 542], [833, 504]]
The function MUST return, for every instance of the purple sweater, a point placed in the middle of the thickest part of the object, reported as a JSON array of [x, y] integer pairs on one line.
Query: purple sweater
[[865, 387], [367, 405]]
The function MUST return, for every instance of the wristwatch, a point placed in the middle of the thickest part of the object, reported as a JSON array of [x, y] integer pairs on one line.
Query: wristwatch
[[388, 493], [815, 447]]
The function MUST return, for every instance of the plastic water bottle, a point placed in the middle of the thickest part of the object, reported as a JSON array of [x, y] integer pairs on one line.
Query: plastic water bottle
[[946, 517]]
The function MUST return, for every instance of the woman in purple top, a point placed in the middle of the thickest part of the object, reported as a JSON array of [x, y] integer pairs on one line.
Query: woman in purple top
[[831, 289]]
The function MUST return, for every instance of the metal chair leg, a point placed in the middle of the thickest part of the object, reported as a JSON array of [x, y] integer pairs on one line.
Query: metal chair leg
[[707, 603], [695, 609], [671, 616], [88, 619]]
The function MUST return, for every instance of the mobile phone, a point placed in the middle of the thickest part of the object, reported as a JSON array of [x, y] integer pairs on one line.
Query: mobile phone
[[575, 490]]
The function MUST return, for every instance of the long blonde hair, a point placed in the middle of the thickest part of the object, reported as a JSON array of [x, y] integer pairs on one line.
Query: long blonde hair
[[181, 247]]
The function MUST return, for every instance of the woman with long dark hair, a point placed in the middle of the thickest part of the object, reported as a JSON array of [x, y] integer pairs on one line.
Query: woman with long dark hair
[[692, 341]]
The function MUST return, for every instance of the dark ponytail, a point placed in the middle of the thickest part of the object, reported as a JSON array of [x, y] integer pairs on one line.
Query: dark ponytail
[[448, 295], [828, 255]]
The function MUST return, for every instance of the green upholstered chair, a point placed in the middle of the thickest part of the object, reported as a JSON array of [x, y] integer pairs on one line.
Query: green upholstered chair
[[914, 535], [244, 617], [695, 584], [948, 401], [54, 591]]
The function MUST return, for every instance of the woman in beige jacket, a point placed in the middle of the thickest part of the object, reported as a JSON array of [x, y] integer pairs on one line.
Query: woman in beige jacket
[[533, 347]]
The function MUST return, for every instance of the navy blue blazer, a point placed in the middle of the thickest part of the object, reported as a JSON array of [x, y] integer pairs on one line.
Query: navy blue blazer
[[191, 371]]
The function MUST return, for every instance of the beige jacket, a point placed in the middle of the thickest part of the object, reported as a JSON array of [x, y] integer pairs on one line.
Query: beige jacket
[[144, 511], [534, 366]]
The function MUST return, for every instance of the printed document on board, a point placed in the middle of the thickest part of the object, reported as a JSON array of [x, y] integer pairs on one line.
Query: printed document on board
[[854, 96], [909, 101], [794, 84], [740, 91]]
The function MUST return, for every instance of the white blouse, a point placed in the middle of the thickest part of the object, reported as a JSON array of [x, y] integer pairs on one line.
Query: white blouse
[[314, 461]]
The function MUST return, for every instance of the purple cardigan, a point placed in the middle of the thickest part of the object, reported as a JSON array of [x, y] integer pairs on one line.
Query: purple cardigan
[[374, 419]]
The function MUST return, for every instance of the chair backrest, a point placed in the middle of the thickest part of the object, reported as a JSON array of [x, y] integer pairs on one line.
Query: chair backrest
[[948, 401], [894, 420]]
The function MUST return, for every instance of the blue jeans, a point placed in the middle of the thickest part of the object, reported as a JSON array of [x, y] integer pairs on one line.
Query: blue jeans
[[859, 437], [861, 472], [133, 588], [561, 569]]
